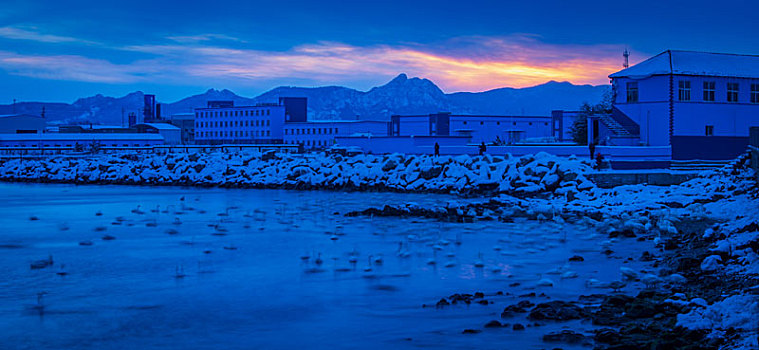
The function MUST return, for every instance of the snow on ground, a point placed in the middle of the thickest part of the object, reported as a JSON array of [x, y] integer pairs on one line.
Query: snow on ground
[[409, 173], [738, 312]]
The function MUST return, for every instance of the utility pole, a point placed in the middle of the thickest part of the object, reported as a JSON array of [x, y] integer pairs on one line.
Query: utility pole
[[14, 106]]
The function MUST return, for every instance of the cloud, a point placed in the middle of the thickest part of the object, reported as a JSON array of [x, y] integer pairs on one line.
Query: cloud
[[74, 68], [24, 34], [203, 38], [459, 64]]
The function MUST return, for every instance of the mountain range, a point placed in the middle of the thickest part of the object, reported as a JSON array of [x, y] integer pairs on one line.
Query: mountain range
[[402, 96]]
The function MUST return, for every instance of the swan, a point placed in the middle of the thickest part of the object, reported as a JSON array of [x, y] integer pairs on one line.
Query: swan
[[479, 263], [628, 273], [544, 282], [402, 252], [138, 211], [179, 272]]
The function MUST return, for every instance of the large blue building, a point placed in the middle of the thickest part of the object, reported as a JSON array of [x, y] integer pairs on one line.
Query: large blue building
[[701, 104]]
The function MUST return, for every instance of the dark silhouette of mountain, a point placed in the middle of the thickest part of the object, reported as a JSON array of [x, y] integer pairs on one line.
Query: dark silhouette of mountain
[[402, 95]]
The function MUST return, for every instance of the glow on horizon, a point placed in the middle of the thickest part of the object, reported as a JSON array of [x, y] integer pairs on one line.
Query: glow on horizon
[[459, 64]]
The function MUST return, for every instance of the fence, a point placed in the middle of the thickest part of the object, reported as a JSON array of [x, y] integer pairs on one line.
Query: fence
[[12, 152], [753, 145]]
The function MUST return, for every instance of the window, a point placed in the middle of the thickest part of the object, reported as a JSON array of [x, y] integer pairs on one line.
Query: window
[[709, 90], [732, 92], [482, 123], [632, 92], [497, 123], [268, 112], [754, 93], [710, 130], [683, 90]]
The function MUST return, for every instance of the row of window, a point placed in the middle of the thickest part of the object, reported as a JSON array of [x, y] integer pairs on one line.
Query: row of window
[[71, 145], [310, 143], [235, 123], [709, 88], [512, 123], [307, 131], [245, 113], [237, 133]]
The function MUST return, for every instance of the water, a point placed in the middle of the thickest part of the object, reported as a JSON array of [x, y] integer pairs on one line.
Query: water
[[252, 289]]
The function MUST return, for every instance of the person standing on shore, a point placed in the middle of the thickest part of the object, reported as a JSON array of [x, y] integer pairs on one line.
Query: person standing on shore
[[592, 148], [483, 148], [437, 149]]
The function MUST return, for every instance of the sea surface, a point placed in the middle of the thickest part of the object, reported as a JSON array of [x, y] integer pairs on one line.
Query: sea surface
[[191, 268]]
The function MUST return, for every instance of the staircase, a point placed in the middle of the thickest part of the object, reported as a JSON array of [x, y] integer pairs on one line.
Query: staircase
[[613, 125], [622, 129]]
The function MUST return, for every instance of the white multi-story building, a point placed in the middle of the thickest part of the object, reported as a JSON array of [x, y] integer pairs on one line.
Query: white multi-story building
[[223, 122], [320, 134], [261, 123], [701, 104]]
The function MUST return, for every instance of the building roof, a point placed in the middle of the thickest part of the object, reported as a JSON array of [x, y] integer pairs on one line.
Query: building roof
[[316, 122], [259, 105], [78, 137], [19, 115], [161, 126], [473, 116], [694, 63]]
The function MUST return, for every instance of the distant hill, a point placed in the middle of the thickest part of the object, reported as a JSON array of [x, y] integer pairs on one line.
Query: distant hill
[[402, 95]]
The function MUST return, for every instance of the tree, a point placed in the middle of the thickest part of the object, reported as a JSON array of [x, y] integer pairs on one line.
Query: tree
[[579, 128]]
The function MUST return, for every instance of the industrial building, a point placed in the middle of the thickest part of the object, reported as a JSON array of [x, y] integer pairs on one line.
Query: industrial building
[[701, 104], [186, 124], [22, 124], [171, 134], [322, 133], [262, 123], [481, 128]]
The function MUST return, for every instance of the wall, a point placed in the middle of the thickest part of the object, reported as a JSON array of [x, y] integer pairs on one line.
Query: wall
[[319, 134], [487, 128], [562, 124], [728, 118], [23, 122], [651, 112], [690, 117], [708, 147], [411, 125], [401, 144]]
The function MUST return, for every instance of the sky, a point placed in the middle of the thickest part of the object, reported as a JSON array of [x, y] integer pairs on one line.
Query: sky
[[52, 50]]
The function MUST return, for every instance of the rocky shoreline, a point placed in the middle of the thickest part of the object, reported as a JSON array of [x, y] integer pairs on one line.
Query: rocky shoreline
[[686, 303], [463, 175]]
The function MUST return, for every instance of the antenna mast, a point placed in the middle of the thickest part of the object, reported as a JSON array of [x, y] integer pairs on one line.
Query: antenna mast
[[626, 55]]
